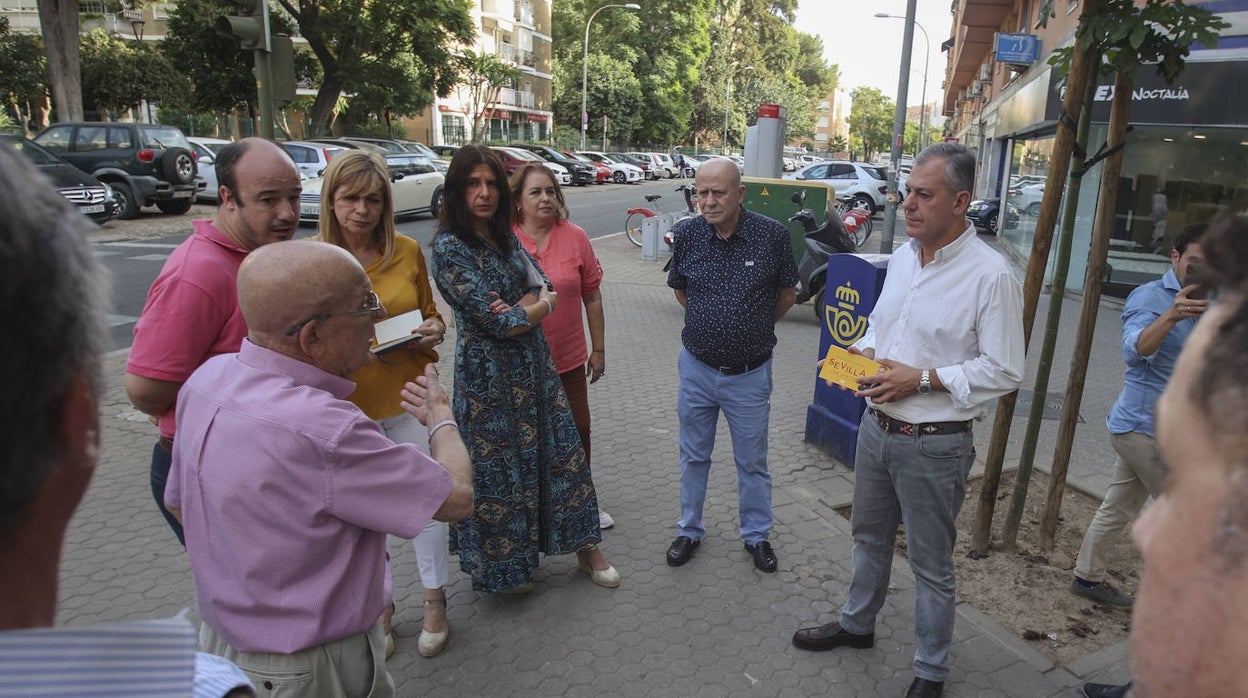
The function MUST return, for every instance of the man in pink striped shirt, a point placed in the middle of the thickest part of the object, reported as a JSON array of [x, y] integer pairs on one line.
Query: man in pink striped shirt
[[286, 490]]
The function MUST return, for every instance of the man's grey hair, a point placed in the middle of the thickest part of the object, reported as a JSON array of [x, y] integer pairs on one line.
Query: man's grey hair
[[959, 164], [53, 293]]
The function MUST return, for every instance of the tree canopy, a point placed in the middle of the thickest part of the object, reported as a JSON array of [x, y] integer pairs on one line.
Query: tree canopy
[[118, 74], [870, 122], [23, 77], [397, 54]]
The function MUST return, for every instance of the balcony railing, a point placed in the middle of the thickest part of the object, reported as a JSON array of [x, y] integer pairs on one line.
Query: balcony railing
[[515, 98]]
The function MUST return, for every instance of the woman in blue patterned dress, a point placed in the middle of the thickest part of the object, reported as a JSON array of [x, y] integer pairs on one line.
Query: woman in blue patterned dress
[[533, 493]]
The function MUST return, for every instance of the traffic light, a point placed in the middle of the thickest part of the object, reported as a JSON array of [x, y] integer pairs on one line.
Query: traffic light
[[251, 26], [282, 68]]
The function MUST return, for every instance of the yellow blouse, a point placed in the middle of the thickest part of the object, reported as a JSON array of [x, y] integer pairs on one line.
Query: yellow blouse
[[402, 284]]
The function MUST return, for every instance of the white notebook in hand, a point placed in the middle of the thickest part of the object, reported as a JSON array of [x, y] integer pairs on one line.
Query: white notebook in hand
[[396, 331]]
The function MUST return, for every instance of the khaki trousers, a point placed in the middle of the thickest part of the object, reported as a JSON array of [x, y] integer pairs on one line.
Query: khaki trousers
[[353, 667], [1138, 474]]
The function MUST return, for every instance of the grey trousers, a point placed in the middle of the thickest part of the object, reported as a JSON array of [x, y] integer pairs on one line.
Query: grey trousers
[[921, 481]]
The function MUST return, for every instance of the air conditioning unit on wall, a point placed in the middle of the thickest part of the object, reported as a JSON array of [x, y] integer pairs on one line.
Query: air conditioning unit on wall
[[985, 72]]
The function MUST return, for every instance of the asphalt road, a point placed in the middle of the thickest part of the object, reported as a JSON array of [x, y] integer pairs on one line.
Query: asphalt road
[[135, 250]]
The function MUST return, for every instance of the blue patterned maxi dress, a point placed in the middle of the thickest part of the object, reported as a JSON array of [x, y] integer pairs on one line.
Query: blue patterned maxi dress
[[533, 488]]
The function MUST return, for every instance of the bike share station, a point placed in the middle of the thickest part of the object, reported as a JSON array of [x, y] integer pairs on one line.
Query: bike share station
[[851, 285]]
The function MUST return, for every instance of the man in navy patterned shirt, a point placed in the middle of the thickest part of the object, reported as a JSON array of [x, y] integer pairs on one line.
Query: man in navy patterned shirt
[[733, 272]]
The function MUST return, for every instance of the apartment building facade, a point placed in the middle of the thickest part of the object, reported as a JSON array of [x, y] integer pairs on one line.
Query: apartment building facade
[[518, 32], [1186, 160]]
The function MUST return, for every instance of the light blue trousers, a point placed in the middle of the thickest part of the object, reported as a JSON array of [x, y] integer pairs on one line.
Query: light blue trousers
[[745, 400], [919, 481]]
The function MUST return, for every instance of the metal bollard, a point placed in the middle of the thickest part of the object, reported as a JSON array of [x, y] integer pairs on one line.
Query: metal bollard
[[652, 230]]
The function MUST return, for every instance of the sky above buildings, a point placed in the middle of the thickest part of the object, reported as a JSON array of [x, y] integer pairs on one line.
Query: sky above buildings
[[868, 49]]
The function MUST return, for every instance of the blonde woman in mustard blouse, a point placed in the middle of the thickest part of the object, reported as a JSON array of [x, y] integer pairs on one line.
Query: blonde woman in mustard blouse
[[357, 213]]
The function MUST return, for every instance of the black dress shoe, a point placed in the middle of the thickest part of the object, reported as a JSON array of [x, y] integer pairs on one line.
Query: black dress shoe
[[764, 557], [1105, 690], [829, 637], [681, 550], [922, 688]]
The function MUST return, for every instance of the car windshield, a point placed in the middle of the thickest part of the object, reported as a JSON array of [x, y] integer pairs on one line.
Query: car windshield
[[34, 153], [422, 149], [522, 154], [166, 137]]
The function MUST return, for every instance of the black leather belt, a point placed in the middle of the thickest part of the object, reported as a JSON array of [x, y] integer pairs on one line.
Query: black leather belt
[[738, 369], [166, 444], [896, 426]]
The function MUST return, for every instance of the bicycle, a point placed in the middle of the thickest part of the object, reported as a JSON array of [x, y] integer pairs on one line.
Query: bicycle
[[632, 224], [856, 215]]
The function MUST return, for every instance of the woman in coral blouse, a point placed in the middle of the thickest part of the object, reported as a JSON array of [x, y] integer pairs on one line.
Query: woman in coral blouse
[[540, 221]]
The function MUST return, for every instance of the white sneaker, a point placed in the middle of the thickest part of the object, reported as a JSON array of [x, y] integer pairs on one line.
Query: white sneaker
[[605, 520]]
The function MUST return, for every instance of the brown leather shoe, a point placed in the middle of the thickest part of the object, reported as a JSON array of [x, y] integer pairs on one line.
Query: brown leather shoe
[[829, 637]]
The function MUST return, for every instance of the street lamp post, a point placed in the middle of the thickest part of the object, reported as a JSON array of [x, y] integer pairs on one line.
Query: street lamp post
[[927, 55], [585, 68], [136, 26], [727, 103]]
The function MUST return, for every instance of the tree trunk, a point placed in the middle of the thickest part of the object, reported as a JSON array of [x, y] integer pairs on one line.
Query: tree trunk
[[1063, 146], [1103, 229], [1057, 297], [59, 20], [321, 118]]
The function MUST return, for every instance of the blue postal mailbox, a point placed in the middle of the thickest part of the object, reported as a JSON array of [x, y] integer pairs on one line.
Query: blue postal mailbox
[[853, 284]]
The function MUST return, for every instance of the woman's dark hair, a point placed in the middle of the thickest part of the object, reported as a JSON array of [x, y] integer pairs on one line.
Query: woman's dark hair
[[454, 217]]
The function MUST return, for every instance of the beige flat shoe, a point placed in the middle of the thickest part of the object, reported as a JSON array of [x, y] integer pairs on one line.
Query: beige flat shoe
[[387, 617], [431, 644], [608, 578]]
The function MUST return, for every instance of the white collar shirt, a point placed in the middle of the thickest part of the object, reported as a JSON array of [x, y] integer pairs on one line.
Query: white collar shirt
[[960, 314]]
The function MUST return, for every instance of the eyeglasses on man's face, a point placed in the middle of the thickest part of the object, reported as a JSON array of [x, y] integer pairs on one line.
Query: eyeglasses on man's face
[[372, 304]]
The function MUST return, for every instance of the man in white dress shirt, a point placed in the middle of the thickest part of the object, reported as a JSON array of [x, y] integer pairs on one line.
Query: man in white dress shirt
[[948, 330]]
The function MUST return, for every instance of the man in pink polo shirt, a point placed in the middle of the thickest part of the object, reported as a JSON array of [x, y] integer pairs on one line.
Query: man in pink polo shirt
[[192, 307], [287, 490]]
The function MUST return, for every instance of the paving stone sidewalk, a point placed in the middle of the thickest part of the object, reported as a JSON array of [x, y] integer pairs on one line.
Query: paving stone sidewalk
[[714, 627]]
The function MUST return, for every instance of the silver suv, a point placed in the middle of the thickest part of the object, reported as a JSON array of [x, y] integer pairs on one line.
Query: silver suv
[[867, 183]]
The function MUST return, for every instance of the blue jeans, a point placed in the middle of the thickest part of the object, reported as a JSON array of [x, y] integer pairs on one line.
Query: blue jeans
[[919, 481], [162, 460], [745, 400]]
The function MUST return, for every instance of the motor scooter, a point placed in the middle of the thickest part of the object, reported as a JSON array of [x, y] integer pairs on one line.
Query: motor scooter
[[821, 243]]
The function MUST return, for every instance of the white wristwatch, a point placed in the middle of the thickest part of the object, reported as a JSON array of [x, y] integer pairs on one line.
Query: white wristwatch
[[925, 382]]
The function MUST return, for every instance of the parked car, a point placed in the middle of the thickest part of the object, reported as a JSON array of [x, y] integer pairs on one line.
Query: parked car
[[602, 172], [985, 214], [867, 183], [660, 164], [513, 158], [351, 144], [444, 151], [415, 185], [311, 157], [205, 150], [788, 164], [386, 144], [666, 162], [621, 172], [145, 164], [93, 198], [1028, 199], [441, 163], [582, 172], [647, 170]]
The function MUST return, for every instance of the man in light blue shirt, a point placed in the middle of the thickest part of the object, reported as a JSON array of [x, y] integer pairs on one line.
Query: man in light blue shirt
[[1156, 322]]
